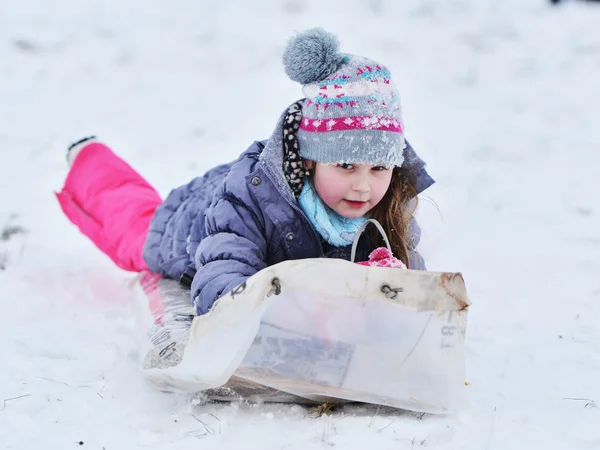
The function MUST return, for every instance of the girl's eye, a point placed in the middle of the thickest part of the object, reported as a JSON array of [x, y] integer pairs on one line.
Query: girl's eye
[[380, 168], [345, 166]]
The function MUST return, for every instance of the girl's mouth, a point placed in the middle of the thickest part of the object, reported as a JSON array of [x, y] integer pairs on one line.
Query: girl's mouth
[[355, 204]]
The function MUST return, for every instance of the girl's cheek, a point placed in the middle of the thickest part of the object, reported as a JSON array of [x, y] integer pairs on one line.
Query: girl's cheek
[[381, 189]]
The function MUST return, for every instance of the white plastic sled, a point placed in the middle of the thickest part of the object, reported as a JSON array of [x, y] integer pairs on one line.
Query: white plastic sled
[[313, 330]]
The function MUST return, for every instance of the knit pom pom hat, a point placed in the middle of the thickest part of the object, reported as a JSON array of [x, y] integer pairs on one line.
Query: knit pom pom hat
[[352, 109]]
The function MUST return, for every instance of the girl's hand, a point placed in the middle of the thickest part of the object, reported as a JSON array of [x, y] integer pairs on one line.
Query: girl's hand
[[382, 257]]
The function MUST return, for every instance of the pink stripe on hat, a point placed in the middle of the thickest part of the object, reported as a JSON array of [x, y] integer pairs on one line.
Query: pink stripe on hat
[[351, 123]]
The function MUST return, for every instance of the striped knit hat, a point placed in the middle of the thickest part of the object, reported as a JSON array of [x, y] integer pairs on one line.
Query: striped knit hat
[[352, 108]]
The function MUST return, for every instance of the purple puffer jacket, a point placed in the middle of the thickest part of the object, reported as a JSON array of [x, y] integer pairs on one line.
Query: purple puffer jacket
[[239, 218]]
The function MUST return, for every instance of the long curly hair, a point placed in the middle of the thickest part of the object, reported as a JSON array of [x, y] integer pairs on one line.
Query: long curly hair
[[394, 212]]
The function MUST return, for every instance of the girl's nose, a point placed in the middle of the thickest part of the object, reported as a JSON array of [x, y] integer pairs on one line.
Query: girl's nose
[[361, 185]]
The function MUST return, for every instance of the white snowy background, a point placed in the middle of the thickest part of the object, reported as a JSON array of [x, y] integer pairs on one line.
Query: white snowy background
[[501, 98]]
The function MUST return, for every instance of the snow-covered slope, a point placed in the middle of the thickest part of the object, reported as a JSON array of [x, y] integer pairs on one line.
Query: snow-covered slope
[[501, 98]]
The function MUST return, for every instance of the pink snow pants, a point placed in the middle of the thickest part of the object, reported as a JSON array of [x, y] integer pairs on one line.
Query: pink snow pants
[[110, 203]]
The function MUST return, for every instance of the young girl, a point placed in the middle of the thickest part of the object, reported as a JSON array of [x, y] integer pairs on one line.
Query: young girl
[[336, 158]]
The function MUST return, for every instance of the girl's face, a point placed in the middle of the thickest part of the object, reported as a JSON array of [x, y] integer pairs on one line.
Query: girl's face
[[351, 190]]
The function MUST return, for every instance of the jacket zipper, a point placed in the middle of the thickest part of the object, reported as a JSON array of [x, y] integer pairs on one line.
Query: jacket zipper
[[295, 207]]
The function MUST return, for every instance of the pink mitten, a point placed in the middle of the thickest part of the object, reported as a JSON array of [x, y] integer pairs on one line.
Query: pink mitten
[[382, 257]]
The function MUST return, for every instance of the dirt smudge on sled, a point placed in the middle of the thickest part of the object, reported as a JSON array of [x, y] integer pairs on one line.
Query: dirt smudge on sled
[[448, 279]]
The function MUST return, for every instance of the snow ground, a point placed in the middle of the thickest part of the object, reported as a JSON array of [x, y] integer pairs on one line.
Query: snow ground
[[500, 98]]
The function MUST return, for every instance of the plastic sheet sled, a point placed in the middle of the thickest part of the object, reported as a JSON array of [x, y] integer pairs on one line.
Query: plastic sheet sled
[[313, 330]]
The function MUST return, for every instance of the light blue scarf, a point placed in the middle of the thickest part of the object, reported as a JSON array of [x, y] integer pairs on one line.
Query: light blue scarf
[[334, 228]]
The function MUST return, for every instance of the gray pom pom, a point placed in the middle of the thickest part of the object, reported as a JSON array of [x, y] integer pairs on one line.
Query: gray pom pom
[[312, 56]]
